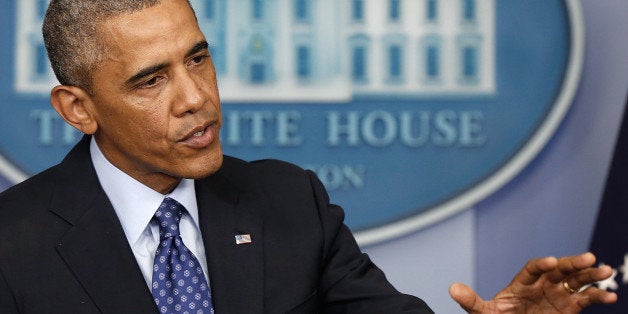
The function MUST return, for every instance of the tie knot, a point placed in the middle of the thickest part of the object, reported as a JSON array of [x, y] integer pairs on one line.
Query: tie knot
[[168, 216]]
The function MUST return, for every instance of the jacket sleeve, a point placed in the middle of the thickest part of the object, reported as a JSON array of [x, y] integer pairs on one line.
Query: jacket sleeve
[[350, 282]]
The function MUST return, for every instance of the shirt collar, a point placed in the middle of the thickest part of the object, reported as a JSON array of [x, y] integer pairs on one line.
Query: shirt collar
[[134, 203]]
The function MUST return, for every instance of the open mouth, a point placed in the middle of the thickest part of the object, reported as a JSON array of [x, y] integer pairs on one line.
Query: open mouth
[[201, 136]]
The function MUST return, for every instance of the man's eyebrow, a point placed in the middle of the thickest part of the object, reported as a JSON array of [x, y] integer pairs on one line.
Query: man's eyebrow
[[144, 73], [200, 46]]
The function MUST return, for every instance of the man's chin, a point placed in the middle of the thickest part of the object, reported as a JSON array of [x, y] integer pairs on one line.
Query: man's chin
[[205, 168]]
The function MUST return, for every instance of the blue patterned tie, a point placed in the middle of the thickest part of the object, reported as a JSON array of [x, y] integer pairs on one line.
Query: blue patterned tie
[[179, 285]]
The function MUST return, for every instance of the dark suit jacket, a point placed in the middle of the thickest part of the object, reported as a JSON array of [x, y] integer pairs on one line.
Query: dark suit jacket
[[63, 250]]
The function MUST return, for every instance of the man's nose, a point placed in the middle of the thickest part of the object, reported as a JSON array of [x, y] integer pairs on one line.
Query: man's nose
[[191, 94]]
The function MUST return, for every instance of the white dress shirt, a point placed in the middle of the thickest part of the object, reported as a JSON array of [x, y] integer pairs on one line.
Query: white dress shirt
[[135, 204]]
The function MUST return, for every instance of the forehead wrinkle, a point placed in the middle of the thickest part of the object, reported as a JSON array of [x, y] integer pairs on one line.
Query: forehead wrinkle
[[148, 30]]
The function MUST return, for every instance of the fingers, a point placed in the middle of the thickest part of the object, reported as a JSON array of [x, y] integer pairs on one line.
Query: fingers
[[571, 265], [466, 297], [594, 295], [576, 270], [588, 276], [534, 269], [544, 283]]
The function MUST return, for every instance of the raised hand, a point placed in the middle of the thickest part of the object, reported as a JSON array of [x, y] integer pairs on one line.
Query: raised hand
[[544, 285]]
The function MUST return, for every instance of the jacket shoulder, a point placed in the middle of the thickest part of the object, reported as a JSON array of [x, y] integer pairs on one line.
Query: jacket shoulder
[[26, 195], [269, 172]]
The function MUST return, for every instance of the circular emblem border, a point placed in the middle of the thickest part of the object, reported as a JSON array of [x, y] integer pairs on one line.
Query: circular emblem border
[[514, 165], [10, 172]]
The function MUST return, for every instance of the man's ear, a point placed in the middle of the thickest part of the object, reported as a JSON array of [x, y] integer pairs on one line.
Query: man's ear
[[75, 106]]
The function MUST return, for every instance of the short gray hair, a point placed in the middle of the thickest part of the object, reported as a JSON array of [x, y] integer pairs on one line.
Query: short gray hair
[[71, 36]]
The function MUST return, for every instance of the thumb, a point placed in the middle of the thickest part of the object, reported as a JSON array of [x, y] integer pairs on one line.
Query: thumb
[[466, 297]]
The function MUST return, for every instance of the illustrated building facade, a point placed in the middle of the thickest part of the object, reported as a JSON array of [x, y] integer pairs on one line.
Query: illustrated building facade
[[321, 50]]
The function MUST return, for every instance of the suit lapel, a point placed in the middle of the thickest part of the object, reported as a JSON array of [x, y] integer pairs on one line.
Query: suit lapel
[[235, 270], [95, 247], [97, 251]]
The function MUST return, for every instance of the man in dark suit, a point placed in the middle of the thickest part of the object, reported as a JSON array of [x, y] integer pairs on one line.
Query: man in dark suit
[[82, 236]]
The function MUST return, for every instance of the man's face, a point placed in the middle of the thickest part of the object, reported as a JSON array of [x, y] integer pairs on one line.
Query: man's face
[[155, 97]]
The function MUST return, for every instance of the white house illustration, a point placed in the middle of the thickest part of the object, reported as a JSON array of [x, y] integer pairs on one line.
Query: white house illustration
[[321, 50]]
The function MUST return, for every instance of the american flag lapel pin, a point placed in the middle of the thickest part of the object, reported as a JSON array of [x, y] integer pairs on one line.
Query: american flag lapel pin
[[243, 239]]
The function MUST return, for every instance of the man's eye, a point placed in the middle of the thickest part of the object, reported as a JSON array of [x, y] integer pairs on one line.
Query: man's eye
[[150, 83], [198, 59]]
